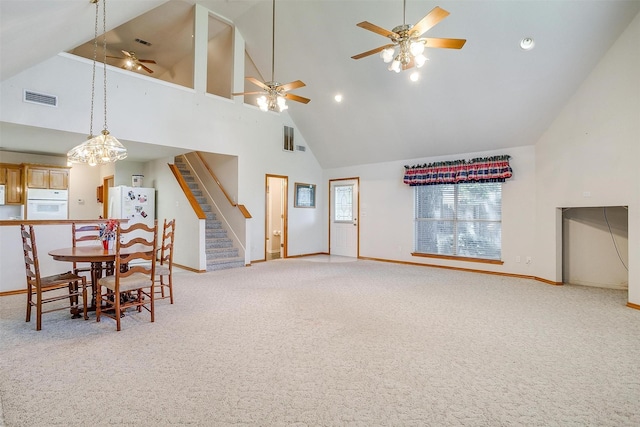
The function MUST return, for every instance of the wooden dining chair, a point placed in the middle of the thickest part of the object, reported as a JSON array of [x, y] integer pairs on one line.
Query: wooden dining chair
[[84, 235], [132, 285], [39, 286], [164, 270]]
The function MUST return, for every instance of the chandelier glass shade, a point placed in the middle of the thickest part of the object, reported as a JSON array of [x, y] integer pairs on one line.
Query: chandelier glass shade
[[98, 150], [103, 148]]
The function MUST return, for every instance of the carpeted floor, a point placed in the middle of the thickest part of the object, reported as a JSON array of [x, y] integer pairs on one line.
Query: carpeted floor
[[299, 342]]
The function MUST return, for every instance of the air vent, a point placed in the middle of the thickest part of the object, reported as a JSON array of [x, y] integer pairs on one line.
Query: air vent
[[301, 148], [40, 98], [144, 42]]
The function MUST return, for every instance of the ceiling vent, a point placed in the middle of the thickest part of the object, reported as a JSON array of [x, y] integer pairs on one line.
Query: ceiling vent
[[40, 98], [301, 148], [144, 42]]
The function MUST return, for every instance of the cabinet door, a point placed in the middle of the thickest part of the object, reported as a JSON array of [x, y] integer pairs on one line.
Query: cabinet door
[[37, 178], [3, 175], [13, 187], [59, 179]]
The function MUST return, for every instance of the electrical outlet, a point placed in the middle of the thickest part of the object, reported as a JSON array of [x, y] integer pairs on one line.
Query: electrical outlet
[[518, 258]]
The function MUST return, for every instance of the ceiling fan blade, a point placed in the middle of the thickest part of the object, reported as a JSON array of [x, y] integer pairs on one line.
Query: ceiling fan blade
[[258, 83], [372, 51], [378, 30], [115, 57], [296, 98], [147, 69], [147, 61], [436, 15], [444, 43], [126, 53], [291, 86], [247, 93]]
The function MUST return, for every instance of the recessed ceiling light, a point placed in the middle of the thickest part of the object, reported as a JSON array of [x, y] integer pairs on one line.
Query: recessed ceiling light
[[338, 98], [527, 43]]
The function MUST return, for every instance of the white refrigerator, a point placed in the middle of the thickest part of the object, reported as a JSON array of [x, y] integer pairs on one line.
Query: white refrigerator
[[137, 204]]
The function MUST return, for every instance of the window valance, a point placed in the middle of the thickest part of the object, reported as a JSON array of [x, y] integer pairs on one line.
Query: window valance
[[484, 169]]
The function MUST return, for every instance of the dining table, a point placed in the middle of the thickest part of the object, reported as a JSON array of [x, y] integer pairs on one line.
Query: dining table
[[94, 254]]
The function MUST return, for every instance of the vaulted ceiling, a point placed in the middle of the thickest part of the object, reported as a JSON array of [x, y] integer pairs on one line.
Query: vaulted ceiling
[[489, 95]]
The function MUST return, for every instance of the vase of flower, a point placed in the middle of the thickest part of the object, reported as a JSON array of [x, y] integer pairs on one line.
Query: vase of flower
[[108, 233]]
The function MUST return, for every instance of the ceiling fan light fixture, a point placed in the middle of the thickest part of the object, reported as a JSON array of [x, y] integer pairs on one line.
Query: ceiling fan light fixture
[[415, 76], [395, 66], [416, 48], [282, 103], [262, 103], [420, 60], [387, 54]]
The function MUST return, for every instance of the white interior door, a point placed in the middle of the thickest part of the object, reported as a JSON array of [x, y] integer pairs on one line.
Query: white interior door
[[344, 218]]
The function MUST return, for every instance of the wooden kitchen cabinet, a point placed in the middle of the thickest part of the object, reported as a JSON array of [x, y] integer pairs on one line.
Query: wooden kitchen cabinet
[[56, 178], [11, 177]]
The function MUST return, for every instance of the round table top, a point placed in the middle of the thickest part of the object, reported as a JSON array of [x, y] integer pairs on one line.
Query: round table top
[[93, 253]]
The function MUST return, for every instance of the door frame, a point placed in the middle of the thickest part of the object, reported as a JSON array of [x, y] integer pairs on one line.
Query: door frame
[[285, 214], [331, 181], [106, 181]]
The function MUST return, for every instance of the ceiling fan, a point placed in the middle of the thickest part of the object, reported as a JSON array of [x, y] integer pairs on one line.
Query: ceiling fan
[[273, 93], [407, 40], [132, 62]]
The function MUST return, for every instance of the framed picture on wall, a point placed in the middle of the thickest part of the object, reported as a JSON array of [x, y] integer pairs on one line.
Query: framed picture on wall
[[305, 195]]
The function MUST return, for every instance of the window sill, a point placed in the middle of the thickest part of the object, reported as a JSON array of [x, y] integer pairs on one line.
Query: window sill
[[459, 258]]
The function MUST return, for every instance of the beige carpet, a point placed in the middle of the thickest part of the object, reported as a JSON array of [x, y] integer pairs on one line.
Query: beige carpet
[[307, 343]]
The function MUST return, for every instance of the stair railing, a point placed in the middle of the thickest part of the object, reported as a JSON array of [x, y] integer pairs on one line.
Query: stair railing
[[233, 215]]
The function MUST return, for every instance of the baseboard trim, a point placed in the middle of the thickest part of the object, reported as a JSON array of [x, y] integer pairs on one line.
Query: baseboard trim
[[184, 267], [471, 270], [15, 292], [634, 306], [305, 255]]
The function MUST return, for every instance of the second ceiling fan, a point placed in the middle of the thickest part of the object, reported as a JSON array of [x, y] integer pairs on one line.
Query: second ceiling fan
[[273, 93], [407, 45], [132, 62]]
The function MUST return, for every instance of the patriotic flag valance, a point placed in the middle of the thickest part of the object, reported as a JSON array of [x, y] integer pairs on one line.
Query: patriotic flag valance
[[485, 169]]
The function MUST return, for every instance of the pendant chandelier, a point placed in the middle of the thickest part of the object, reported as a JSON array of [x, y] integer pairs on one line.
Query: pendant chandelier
[[103, 148]]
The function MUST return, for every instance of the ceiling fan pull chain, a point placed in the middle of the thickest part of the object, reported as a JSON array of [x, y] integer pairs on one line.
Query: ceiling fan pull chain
[[273, 40]]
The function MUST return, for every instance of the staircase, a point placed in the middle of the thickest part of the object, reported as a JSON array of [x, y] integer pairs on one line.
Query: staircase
[[221, 253]]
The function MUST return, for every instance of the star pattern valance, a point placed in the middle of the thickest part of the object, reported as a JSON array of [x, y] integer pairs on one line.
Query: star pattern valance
[[485, 169]]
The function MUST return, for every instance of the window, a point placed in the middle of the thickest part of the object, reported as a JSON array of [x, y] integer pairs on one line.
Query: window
[[288, 139], [462, 220], [343, 199]]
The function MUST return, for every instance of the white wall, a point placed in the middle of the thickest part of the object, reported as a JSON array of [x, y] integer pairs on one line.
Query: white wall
[[83, 183], [589, 156], [171, 203], [387, 211]]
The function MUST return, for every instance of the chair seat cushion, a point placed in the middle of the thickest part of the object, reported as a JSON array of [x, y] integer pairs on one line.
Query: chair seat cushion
[[129, 283], [58, 278], [162, 270]]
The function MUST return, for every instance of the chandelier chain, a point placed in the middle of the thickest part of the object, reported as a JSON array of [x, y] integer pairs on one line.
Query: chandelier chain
[[93, 75], [104, 59]]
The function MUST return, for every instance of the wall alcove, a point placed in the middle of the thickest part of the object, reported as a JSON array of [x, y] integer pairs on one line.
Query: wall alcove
[[595, 249]]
